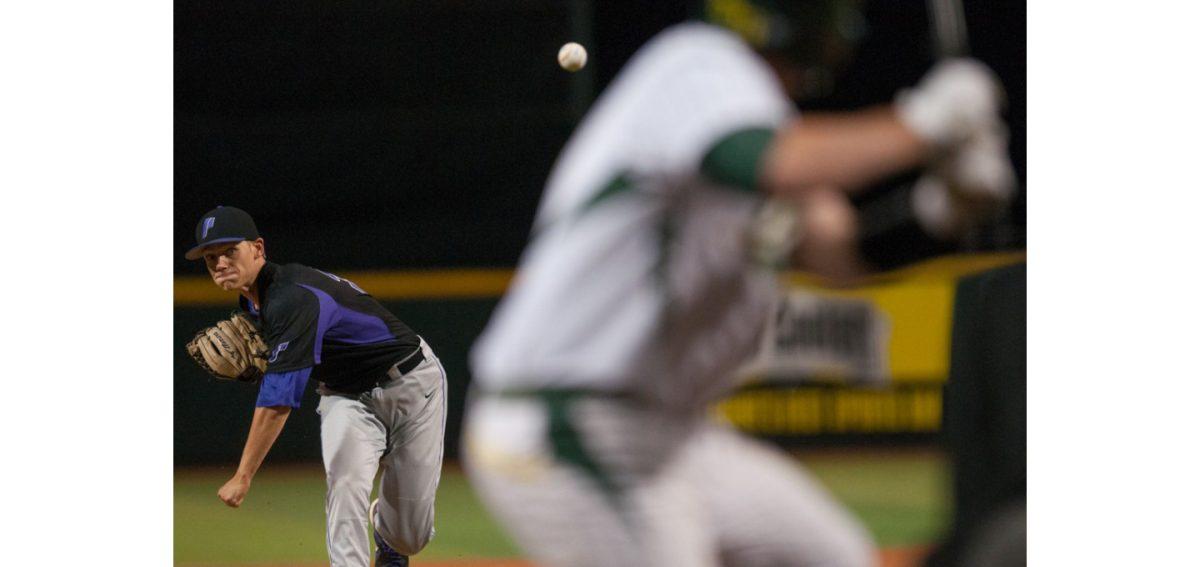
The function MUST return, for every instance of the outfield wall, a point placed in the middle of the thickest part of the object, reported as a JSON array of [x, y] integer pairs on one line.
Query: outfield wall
[[854, 365]]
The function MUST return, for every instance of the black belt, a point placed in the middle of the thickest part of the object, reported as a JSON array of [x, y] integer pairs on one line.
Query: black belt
[[397, 371], [404, 366]]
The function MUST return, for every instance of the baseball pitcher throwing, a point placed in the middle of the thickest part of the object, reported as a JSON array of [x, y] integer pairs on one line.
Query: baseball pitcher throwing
[[383, 391]]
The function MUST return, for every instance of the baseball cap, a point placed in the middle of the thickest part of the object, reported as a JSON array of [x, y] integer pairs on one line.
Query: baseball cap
[[219, 226]]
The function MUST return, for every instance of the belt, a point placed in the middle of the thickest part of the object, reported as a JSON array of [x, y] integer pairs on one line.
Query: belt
[[406, 365], [397, 371]]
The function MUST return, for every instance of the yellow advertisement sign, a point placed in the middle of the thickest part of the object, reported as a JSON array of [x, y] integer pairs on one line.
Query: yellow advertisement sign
[[867, 359], [895, 328]]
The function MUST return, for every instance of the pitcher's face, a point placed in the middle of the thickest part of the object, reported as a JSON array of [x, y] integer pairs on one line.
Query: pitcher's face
[[234, 266]]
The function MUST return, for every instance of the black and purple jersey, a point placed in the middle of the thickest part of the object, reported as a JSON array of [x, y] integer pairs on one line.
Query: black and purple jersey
[[318, 325]]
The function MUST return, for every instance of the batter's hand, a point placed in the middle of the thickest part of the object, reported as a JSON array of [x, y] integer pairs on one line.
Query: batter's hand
[[954, 100], [234, 492]]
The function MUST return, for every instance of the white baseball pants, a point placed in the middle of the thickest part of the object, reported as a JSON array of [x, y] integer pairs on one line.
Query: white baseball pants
[[398, 427], [599, 482]]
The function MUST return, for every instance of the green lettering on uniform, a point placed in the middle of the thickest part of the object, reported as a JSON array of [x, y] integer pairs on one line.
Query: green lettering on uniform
[[734, 159]]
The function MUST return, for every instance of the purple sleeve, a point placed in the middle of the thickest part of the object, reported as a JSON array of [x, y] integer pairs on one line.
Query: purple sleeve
[[283, 388]]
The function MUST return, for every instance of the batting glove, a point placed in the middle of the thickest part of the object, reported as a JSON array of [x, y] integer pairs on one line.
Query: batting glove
[[967, 186], [957, 98]]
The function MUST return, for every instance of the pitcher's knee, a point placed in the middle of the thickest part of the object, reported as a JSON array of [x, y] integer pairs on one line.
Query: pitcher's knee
[[347, 485], [406, 540]]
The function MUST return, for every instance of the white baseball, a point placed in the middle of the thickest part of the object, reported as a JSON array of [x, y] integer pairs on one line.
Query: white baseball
[[572, 57]]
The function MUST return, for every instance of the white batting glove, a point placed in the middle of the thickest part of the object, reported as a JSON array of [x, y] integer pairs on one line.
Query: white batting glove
[[980, 168], [953, 100], [967, 186]]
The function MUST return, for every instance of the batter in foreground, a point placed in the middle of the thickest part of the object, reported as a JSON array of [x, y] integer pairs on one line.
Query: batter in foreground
[[641, 294]]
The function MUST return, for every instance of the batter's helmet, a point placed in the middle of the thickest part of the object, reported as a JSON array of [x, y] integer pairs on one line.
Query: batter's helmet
[[816, 35]]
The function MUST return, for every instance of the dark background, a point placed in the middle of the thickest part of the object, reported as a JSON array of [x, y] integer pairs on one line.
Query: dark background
[[397, 134], [409, 135]]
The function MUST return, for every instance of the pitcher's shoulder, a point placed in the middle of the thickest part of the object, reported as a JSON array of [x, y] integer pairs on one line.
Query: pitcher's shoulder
[[295, 273]]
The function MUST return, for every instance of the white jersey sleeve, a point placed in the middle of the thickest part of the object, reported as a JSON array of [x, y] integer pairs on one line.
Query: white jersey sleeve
[[687, 89], [635, 241], [708, 85]]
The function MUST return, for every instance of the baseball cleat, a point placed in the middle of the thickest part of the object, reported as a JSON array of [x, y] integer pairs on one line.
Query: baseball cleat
[[385, 556]]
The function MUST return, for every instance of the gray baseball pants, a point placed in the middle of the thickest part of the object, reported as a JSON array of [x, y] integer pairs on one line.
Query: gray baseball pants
[[398, 427], [594, 482]]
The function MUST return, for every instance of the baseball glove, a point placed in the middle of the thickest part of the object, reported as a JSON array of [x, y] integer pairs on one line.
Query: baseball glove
[[232, 349]]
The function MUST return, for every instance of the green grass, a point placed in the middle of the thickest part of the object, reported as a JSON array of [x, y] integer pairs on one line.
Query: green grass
[[899, 496], [282, 520]]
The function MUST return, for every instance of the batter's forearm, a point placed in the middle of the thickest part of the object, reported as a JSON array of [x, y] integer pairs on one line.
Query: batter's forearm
[[264, 430], [848, 151]]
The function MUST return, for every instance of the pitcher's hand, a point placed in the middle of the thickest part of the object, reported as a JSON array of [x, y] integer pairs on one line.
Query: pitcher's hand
[[234, 492]]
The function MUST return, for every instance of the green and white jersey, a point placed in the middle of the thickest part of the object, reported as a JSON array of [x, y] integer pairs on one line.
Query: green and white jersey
[[638, 277]]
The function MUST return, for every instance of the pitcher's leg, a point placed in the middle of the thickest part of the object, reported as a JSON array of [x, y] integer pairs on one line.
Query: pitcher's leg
[[352, 440], [412, 466]]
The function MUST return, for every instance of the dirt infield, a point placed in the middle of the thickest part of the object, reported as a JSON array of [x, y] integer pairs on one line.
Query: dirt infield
[[892, 557]]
